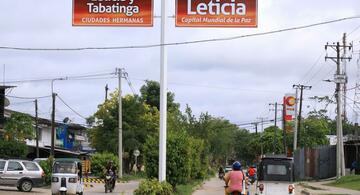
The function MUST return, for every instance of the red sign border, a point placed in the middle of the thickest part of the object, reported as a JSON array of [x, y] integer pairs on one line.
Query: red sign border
[[113, 25], [216, 26]]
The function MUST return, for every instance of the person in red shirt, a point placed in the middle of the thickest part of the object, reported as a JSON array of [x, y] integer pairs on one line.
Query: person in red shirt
[[252, 174]]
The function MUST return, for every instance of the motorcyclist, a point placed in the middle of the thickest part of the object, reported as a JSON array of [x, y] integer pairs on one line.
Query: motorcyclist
[[252, 173], [235, 179], [221, 172], [110, 168]]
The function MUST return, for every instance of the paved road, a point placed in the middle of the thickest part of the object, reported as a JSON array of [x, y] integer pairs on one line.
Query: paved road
[[97, 189], [215, 186]]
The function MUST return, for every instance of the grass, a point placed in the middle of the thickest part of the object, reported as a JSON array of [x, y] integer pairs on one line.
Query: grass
[[350, 182], [131, 177], [187, 189]]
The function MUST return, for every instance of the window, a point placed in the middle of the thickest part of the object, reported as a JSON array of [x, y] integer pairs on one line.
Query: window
[[2, 165], [30, 166], [14, 166], [64, 167], [276, 170]]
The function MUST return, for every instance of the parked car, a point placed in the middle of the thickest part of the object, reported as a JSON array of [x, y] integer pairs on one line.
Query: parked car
[[275, 176], [22, 174]]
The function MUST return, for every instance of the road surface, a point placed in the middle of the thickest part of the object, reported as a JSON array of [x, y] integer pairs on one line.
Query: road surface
[[96, 189]]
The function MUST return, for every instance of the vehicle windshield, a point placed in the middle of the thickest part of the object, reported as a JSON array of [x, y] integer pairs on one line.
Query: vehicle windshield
[[276, 171], [64, 167]]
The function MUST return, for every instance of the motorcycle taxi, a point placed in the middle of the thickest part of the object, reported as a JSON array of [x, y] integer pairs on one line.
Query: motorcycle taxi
[[67, 177]]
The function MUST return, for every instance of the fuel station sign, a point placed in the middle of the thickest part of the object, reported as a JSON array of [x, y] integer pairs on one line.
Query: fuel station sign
[[136, 13], [216, 13], [289, 111]]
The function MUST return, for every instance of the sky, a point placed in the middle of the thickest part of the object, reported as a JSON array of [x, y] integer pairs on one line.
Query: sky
[[234, 79]]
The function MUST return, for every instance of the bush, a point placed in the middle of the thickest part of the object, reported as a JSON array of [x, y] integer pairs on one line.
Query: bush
[[46, 165], [99, 162], [13, 149], [186, 158], [153, 187]]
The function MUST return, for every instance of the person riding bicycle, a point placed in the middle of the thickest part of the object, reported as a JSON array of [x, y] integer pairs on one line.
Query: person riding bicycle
[[234, 179]]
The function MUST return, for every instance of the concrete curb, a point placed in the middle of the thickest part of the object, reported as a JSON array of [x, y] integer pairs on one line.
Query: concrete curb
[[305, 192]]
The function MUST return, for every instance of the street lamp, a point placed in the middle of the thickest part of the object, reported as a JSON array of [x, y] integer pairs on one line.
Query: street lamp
[[52, 152]]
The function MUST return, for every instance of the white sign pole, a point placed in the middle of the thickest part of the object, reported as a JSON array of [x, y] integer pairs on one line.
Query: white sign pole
[[163, 95]]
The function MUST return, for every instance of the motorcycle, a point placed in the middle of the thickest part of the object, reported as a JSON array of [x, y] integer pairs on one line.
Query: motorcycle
[[109, 182], [252, 179], [221, 175]]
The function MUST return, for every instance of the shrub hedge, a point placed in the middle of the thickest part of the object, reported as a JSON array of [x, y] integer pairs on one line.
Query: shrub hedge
[[154, 187], [99, 162], [186, 158], [13, 149]]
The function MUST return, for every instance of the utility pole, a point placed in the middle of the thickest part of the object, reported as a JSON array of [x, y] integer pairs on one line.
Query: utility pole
[[275, 109], [296, 119], [262, 131], [344, 86], [106, 92], [37, 128], [275, 123], [298, 129], [284, 130], [120, 152], [256, 127], [340, 80], [52, 152]]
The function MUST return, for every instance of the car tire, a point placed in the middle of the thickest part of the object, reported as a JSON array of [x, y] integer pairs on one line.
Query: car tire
[[26, 185], [18, 187]]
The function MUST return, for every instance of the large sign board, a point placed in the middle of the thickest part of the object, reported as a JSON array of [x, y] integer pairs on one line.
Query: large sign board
[[137, 13], [216, 13], [289, 111]]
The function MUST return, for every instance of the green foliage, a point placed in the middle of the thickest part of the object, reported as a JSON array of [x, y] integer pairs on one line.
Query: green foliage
[[12, 149], [99, 161], [139, 121], [185, 158], [19, 127], [47, 167], [150, 93], [154, 187], [313, 132]]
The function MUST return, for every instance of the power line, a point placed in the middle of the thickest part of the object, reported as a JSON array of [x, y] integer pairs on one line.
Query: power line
[[26, 98], [312, 67], [126, 76], [67, 105], [185, 42], [78, 77]]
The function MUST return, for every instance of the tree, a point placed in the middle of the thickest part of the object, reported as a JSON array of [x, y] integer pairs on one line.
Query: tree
[[19, 127], [150, 93], [139, 121], [313, 132]]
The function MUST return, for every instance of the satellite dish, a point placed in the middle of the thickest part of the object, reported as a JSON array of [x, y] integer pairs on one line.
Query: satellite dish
[[7, 102]]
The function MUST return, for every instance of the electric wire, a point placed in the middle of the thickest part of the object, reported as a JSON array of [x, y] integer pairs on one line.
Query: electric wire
[[67, 105], [77, 77], [38, 97], [184, 42]]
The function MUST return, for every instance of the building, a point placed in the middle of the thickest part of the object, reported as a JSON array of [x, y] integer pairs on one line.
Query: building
[[71, 139]]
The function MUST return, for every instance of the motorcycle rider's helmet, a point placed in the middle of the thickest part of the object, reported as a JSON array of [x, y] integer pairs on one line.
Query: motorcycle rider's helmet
[[236, 166]]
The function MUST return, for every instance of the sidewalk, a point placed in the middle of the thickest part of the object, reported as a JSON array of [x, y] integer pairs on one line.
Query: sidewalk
[[317, 188]]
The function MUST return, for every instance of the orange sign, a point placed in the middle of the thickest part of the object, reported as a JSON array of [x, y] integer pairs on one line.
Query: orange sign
[[138, 13], [216, 13]]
